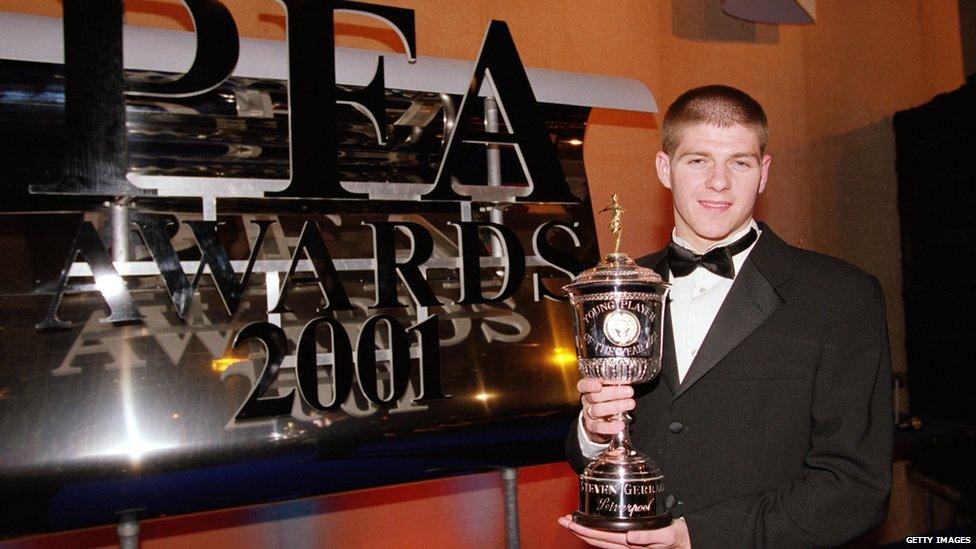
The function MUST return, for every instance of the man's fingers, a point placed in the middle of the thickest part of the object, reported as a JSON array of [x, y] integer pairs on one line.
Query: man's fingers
[[606, 428], [606, 409], [616, 539], [601, 544], [674, 535], [595, 416], [607, 393], [648, 537], [603, 404], [588, 385]]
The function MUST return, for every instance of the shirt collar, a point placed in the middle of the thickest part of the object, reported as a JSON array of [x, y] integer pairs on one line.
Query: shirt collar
[[724, 242]]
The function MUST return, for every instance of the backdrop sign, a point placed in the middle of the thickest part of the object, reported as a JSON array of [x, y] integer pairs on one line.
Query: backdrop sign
[[314, 279]]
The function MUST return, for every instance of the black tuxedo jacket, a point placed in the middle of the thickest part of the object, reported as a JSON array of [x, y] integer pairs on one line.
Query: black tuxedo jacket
[[780, 433]]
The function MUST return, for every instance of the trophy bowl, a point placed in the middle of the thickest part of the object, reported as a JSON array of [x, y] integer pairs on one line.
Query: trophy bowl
[[618, 325]]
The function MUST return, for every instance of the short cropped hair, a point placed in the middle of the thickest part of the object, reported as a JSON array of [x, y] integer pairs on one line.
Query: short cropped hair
[[722, 106]]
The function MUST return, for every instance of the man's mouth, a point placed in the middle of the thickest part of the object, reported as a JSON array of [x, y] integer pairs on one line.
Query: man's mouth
[[715, 205]]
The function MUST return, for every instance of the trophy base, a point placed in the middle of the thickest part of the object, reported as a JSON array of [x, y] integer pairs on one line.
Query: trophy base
[[613, 524], [622, 489]]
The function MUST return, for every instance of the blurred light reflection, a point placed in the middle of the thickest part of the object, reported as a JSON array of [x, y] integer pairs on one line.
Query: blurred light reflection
[[135, 444], [221, 364], [109, 285], [563, 357]]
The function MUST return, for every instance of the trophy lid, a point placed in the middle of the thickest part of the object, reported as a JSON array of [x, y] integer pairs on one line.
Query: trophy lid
[[616, 268]]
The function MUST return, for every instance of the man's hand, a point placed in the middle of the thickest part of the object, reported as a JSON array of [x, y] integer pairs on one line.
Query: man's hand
[[601, 401], [670, 537]]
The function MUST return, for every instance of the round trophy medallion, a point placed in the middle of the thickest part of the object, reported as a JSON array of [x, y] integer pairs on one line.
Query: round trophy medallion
[[621, 327]]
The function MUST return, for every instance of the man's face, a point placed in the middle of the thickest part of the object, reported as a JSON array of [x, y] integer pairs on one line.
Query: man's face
[[715, 177]]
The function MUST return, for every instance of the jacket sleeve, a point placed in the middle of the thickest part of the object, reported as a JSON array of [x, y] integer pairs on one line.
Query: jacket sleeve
[[846, 478], [574, 453]]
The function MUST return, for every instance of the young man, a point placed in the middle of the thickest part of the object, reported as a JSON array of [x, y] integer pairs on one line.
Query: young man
[[771, 418]]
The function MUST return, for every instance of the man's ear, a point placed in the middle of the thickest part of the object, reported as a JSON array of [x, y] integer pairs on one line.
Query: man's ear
[[766, 161], [663, 163]]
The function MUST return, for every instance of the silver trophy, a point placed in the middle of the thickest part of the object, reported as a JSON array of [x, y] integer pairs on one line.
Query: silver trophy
[[618, 320]]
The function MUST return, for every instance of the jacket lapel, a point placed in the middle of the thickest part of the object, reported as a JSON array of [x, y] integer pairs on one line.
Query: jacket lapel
[[751, 300], [669, 362]]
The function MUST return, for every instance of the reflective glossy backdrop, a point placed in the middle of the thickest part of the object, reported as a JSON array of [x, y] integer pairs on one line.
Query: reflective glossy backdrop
[[101, 417]]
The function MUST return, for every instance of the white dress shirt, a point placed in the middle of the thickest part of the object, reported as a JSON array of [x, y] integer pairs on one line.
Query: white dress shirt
[[695, 300], [697, 297]]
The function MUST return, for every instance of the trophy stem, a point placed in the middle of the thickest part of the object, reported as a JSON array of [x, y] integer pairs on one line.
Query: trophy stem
[[620, 442]]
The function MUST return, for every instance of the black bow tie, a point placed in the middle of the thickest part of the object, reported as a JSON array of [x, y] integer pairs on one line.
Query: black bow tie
[[719, 261]]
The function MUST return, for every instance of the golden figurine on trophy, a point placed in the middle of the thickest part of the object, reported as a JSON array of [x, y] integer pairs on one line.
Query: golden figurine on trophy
[[616, 212]]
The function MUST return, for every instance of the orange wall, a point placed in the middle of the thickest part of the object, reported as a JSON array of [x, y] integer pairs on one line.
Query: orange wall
[[830, 90]]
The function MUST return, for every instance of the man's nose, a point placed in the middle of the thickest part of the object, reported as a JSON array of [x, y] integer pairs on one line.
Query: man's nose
[[718, 180]]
